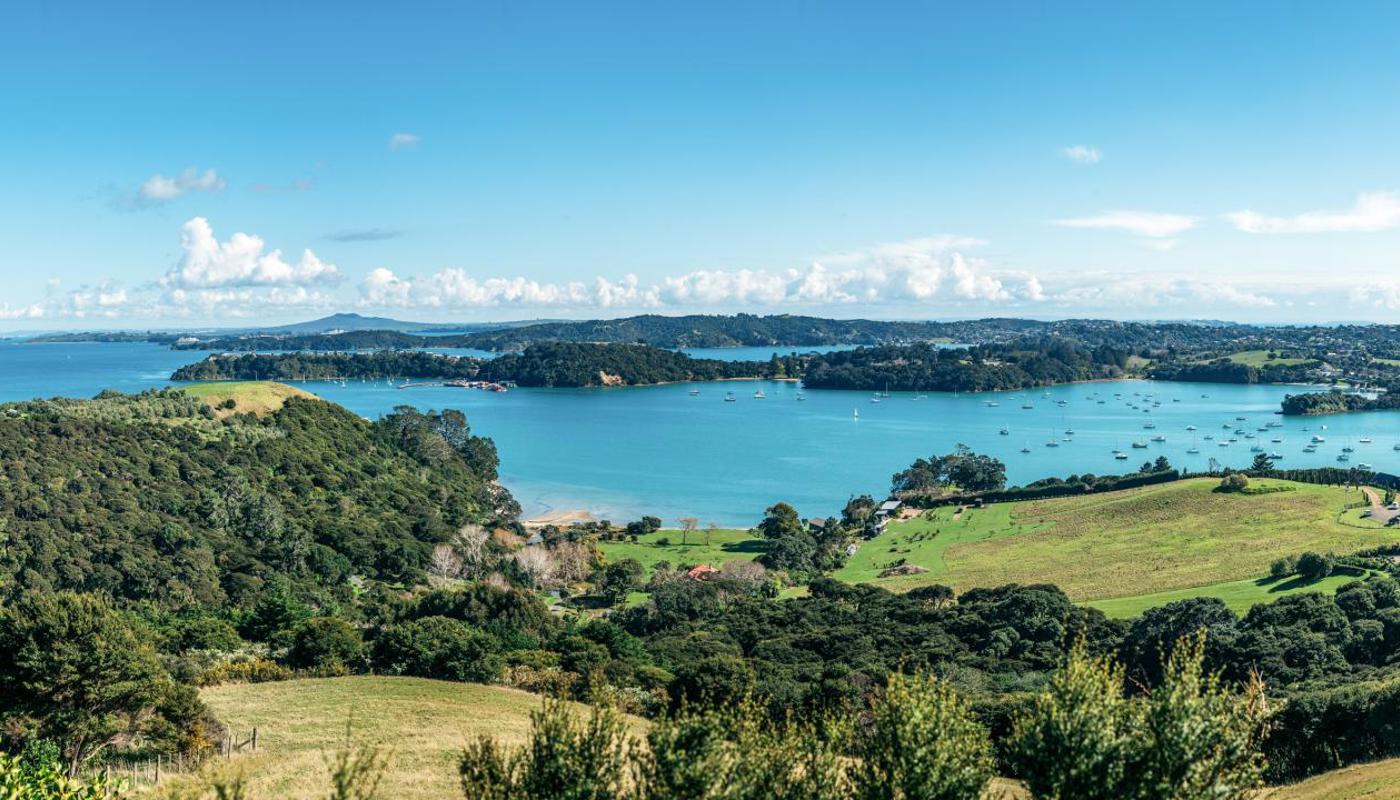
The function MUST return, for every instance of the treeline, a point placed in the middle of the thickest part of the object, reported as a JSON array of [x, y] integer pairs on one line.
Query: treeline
[[568, 365], [1027, 363], [376, 365], [1335, 402], [543, 365], [1223, 370]]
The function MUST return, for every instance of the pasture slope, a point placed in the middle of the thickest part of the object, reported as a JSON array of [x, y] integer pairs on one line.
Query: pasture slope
[[422, 725], [253, 397], [1127, 551], [1378, 780]]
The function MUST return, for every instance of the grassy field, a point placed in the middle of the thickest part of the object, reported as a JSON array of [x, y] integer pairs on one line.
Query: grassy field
[[1260, 358], [1376, 781], [422, 724], [1173, 540], [725, 544], [256, 397], [1238, 595]]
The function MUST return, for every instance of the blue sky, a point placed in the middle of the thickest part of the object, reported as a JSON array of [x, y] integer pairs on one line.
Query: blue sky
[[172, 163]]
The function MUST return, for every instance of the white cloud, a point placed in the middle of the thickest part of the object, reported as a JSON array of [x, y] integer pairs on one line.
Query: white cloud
[[1082, 154], [161, 189], [1373, 211], [919, 271], [208, 263], [1143, 223], [403, 141]]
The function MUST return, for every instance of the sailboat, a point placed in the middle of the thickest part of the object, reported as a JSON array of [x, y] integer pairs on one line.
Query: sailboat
[[759, 395]]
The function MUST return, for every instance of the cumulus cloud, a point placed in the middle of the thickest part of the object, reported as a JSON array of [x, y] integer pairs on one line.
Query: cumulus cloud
[[161, 189], [1082, 154], [403, 141], [918, 271], [208, 263], [1373, 211], [1142, 223]]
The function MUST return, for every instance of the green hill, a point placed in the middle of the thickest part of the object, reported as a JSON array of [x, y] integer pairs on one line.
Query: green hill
[[1124, 550]]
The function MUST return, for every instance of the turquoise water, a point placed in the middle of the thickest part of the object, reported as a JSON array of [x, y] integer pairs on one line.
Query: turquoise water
[[659, 450]]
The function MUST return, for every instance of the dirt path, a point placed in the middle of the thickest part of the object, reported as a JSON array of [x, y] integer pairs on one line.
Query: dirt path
[[1372, 496]]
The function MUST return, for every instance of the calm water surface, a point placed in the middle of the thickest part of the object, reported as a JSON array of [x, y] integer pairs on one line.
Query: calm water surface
[[659, 450]]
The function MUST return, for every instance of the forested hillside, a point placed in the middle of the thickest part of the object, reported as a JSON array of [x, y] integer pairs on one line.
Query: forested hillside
[[549, 364], [930, 368], [150, 497]]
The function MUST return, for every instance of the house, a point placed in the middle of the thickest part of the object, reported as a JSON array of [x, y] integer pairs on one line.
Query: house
[[887, 508], [702, 572], [816, 523]]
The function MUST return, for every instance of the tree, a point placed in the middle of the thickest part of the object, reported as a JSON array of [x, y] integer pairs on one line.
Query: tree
[[962, 469], [710, 532], [1314, 566], [780, 520], [74, 671], [325, 643], [688, 526], [619, 578], [439, 647], [1262, 463]]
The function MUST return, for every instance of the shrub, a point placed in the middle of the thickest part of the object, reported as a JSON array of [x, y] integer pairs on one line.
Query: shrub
[[1190, 737], [1234, 482], [1283, 567], [1312, 566], [922, 742], [252, 670], [439, 647], [325, 643]]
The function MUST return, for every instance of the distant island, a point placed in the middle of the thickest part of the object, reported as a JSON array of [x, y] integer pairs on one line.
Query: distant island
[[1334, 402], [547, 365]]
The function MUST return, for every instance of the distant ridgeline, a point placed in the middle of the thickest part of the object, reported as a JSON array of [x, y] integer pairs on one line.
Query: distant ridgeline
[[152, 497], [1315, 403], [555, 364]]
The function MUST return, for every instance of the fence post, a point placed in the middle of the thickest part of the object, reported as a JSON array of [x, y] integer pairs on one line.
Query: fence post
[[255, 738], [157, 780]]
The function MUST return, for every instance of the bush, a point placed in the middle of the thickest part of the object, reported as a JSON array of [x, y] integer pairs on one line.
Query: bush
[[922, 742], [24, 779], [1234, 482], [325, 643], [252, 670], [1083, 739], [1283, 567], [1312, 566], [439, 647]]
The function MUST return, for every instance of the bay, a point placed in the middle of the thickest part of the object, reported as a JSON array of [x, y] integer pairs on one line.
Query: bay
[[624, 452]]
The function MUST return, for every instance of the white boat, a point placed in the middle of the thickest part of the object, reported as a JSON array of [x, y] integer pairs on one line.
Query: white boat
[[1190, 427], [991, 404], [1140, 445], [801, 397], [1364, 440], [1363, 465], [1193, 450], [694, 392], [1159, 438], [1121, 456], [730, 398], [1343, 457], [1275, 456], [759, 395], [1028, 406], [1004, 432], [1318, 439]]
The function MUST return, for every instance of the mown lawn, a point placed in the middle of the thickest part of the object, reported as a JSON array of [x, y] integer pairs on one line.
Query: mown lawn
[[1174, 538], [422, 725], [253, 397], [715, 548]]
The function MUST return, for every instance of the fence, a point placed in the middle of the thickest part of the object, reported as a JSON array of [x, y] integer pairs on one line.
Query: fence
[[146, 772]]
